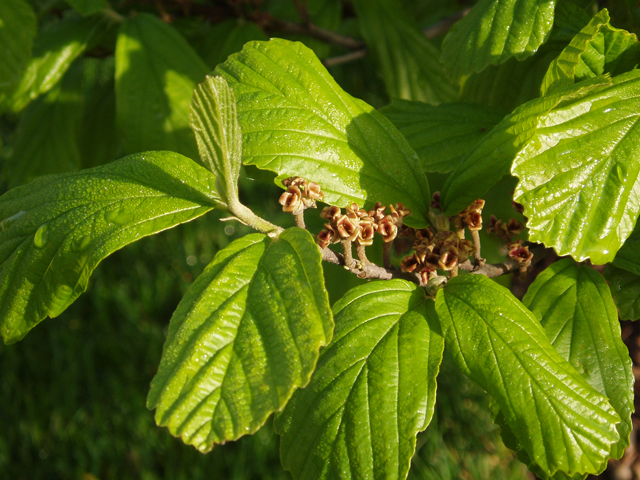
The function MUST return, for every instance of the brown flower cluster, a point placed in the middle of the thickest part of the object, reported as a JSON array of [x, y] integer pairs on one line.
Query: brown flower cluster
[[300, 194], [519, 253], [472, 215], [359, 225], [505, 230], [443, 250]]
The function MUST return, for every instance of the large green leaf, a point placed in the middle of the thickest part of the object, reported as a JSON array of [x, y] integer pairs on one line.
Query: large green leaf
[[562, 422], [442, 135], [17, 31], [408, 62], [598, 48], [625, 288], [491, 159], [215, 123], [156, 73], [580, 172], [628, 257], [245, 335], [373, 390], [575, 308], [46, 138], [56, 229], [226, 38], [54, 51], [88, 7], [494, 31], [296, 120]]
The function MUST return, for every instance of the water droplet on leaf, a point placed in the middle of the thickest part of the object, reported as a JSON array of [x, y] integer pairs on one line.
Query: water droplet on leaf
[[118, 216], [41, 237]]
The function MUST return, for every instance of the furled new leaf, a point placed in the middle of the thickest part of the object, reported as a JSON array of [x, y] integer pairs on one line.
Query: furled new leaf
[[562, 422], [56, 229], [580, 172], [156, 73], [215, 123], [409, 63], [491, 159], [245, 335], [575, 308], [54, 51], [442, 135], [628, 257], [494, 31], [17, 31], [625, 288], [373, 391], [598, 48], [296, 120]]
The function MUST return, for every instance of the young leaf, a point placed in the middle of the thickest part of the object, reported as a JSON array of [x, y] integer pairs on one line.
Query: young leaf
[[625, 288], [442, 135], [628, 257], [494, 31], [215, 122], [408, 61], [88, 7], [54, 51], [156, 73], [579, 173], [296, 120], [562, 422], [598, 48], [47, 133], [575, 308], [491, 159], [56, 229], [245, 335], [373, 390], [16, 39]]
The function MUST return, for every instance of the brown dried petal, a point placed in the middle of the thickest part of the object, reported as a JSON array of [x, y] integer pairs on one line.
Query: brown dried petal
[[448, 260], [402, 210], [331, 213], [378, 212], [325, 237], [514, 227], [473, 220], [409, 264], [347, 228], [313, 191], [367, 232], [432, 261], [291, 200], [387, 228]]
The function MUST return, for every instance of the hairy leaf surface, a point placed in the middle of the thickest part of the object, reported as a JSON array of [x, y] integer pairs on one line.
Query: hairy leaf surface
[[16, 39], [373, 390], [54, 51], [562, 422], [56, 229], [408, 62], [296, 120], [214, 121], [442, 135], [575, 308], [580, 172], [494, 31], [156, 73], [598, 48], [625, 288], [245, 335], [491, 159]]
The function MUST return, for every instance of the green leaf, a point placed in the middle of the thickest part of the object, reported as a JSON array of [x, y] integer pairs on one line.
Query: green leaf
[[597, 49], [296, 120], [628, 257], [156, 73], [88, 7], [228, 37], [373, 390], [491, 159], [579, 173], [556, 416], [54, 51], [214, 121], [408, 61], [625, 288], [442, 135], [47, 133], [495, 31], [575, 308], [17, 30], [56, 229], [245, 335]]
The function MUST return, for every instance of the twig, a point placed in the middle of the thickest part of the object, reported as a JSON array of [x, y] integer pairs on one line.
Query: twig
[[314, 31], [348, 254], [386, 254], [303, 13], [346, 58], [299, 218], [497, 269], [369, 270]]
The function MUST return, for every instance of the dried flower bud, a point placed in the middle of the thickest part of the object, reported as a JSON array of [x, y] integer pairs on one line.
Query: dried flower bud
[[387, 228], [465, 250], [291, 200], [366, 232], [331, 213], [313, 191], [435, 200], [514, 227], [402, 210], [473, 220], [519, 253], [294, 182], [445, 238], [448, 258], [325, 237], [410, 263], [347, 228], [378, 212], [519, 208], [432, 260]]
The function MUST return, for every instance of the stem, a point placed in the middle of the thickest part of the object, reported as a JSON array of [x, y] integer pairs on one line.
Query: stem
[[348, 254], [458, 226], [454, 271], [247, 216], [497, 269], [362, 255], [386, 254], [314, 31], [299, 218], [346, 58], [303, 13], [476, 243]]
